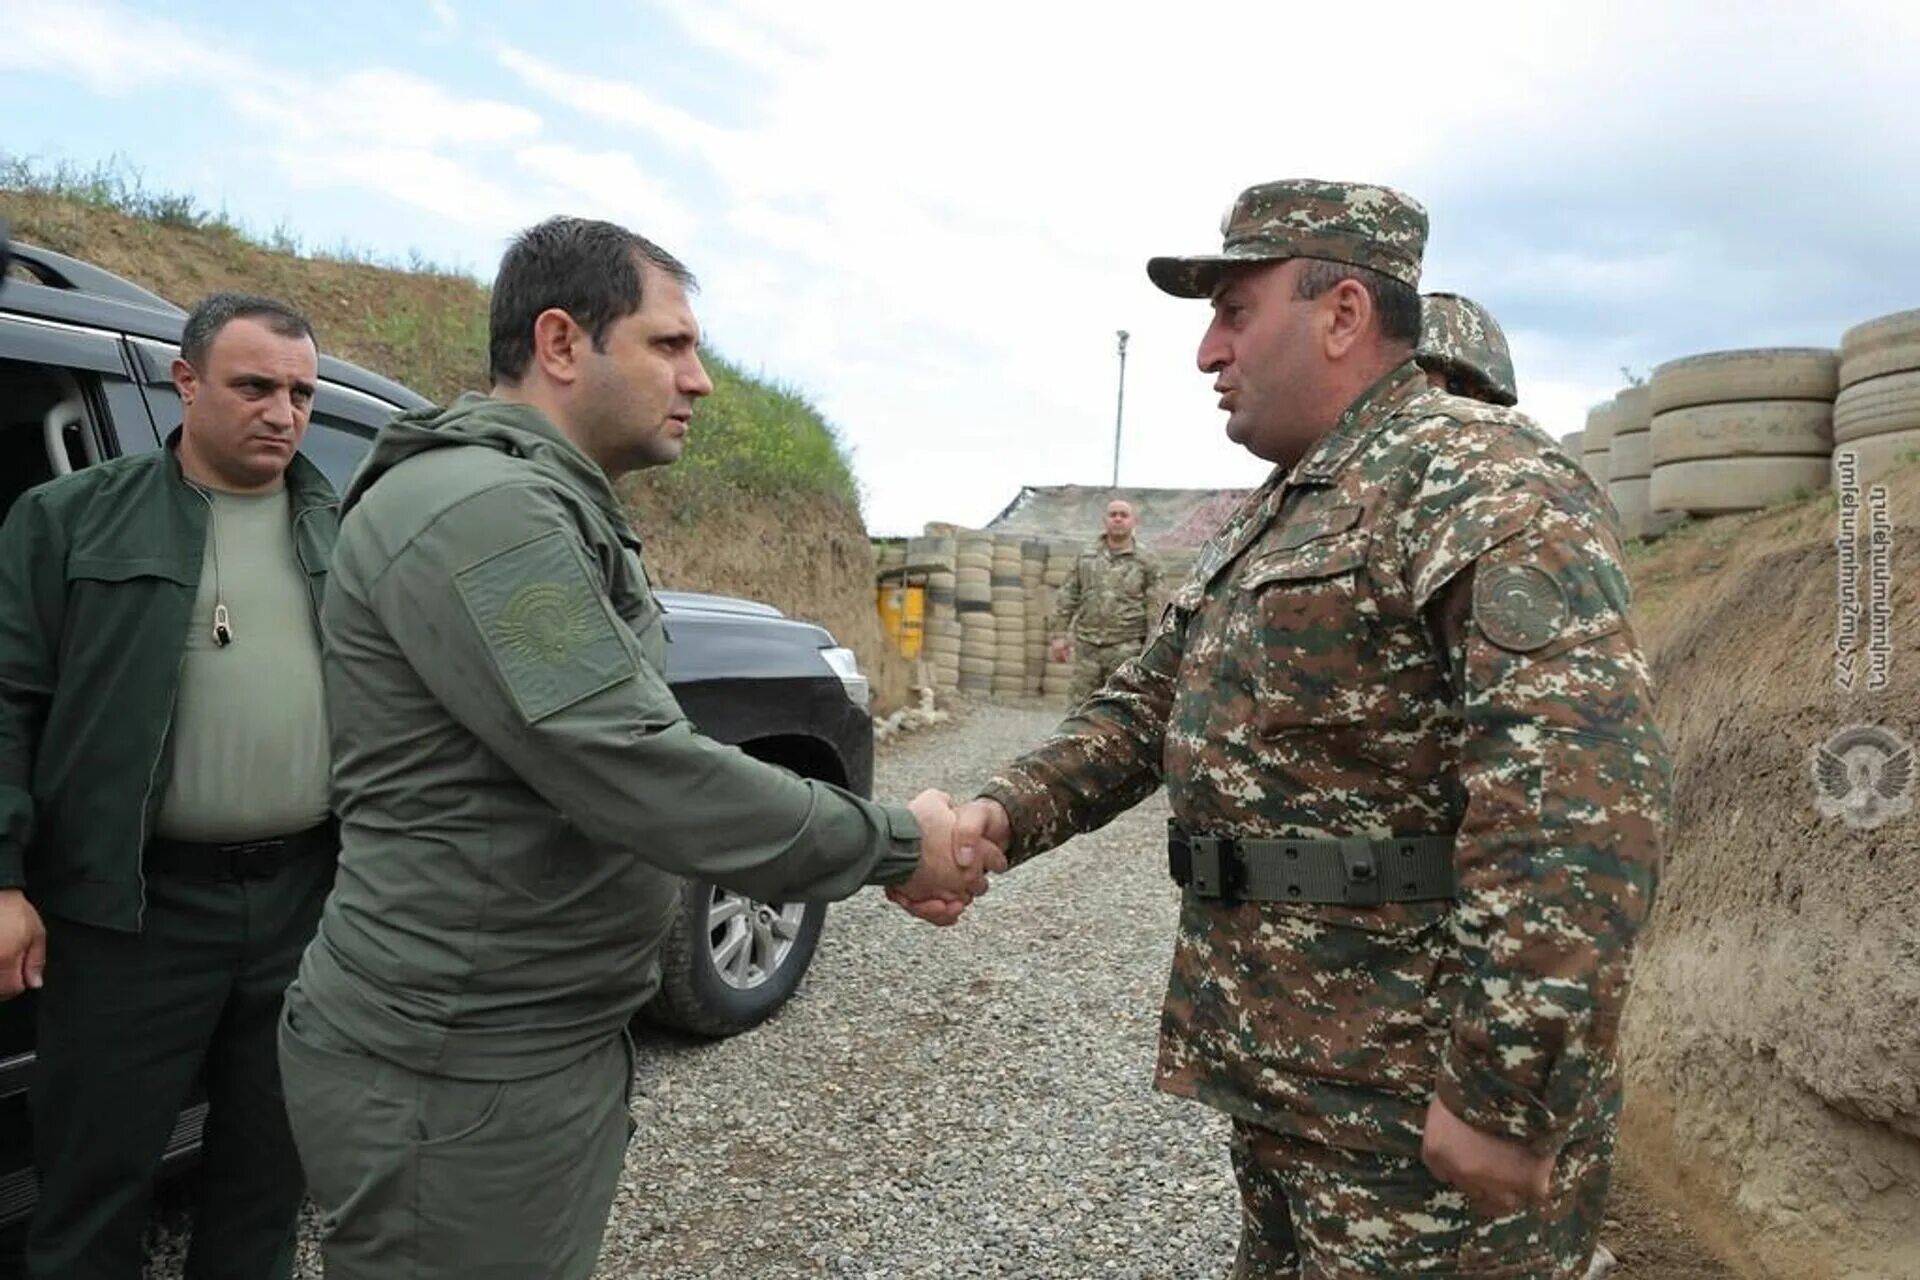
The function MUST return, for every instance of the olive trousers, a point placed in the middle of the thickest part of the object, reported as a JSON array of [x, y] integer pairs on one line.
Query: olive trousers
[[420, 1177]]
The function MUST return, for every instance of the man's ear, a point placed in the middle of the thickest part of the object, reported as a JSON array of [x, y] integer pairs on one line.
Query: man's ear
[[1349, 316], [186, 380], [559, 345]]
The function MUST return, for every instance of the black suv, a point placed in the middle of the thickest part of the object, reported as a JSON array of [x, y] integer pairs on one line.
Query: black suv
[[84, 375]]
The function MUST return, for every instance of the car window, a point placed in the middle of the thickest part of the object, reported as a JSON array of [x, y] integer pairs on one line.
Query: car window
[[65, 402], [336, 446]]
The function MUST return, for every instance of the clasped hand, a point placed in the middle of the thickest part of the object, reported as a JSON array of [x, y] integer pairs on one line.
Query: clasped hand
[[959, 845]]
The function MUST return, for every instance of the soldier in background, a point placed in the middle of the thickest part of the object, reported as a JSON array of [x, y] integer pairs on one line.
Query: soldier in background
[[1463, 350], [1103, 605], [1407, 738]]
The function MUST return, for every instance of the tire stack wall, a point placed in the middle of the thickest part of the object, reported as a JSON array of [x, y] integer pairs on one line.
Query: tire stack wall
[[1056, 676], [1739, 430], [1596, 440], [1630, 465], [973, 599], [1572, 443], [1876, 418], [1033, 583], [1009, 619], [940, 648]]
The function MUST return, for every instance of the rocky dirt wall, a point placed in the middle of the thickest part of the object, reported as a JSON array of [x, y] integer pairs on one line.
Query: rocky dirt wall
[[807, 556], [1776, 1014]]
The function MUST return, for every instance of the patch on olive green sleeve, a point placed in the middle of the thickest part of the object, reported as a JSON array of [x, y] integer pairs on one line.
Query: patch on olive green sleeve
[[1520, 607], [546, 624]]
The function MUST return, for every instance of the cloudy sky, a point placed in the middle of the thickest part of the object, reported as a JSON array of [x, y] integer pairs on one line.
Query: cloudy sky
[[933, 219]]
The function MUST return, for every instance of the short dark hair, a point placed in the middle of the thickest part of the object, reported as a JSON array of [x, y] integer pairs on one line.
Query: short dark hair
[[589, 269], [1396, 303], [217, 310]]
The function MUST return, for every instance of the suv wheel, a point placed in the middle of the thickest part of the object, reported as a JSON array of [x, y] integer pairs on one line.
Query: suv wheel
[[730, 961]]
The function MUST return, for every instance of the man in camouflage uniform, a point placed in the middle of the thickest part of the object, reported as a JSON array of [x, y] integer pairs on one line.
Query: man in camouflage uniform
[[1103, 604], [1419, 799], [1463, 350]]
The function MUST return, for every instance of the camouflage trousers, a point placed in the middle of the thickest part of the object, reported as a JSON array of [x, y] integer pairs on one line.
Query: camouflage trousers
[[1093, 663], [1324, 1213]]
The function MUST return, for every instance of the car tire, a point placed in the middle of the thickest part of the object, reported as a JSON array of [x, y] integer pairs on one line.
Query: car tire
[[728, 963]]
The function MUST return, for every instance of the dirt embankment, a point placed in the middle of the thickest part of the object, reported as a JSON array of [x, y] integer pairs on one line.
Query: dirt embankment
[[1773, 1041], [809, 557]]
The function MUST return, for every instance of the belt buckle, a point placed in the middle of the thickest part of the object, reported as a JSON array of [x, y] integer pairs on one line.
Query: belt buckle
[[1362, 862], [1214, 866]]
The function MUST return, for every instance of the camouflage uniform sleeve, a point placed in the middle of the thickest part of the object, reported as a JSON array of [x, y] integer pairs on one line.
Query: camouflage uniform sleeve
[[1069, 602], [1102, 760], [1566, 781]]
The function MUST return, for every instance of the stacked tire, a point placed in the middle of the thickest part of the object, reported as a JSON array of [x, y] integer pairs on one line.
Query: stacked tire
[[1740, 430], [1056, 676], [1572, 443], [1596, 441], [973, 601], [1876, 418], [941, 627], [1033, 583], [1630, 464], [1009, 597]]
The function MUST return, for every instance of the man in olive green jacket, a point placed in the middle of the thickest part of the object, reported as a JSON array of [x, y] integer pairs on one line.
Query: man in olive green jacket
[[164, 838], [518, 789]]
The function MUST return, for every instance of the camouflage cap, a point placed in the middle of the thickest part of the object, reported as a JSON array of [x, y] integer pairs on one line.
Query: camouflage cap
[[1353, 222], [1460, 339]]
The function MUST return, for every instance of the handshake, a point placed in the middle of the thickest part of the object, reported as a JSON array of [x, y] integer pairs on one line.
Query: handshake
[[959, 845]]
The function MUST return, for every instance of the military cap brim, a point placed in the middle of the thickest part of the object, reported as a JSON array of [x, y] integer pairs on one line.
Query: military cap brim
[[1198, 276]]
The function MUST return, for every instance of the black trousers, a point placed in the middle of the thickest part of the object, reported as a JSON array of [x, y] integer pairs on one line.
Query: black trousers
[[127, 1022]]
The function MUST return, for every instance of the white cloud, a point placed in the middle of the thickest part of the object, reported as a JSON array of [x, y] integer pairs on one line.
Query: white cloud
[[375, 129], [610, 185], [112, 50], [394, 108], [411, 175], [933, 221]]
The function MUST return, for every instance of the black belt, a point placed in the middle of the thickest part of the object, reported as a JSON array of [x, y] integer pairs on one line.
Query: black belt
[[1354, 871], [241, 859]]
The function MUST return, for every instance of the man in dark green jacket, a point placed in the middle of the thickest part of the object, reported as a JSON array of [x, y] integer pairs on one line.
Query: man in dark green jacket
[[518, 789], [163, 800]]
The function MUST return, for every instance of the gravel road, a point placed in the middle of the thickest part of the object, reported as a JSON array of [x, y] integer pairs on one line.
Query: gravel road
[[973, 1101]]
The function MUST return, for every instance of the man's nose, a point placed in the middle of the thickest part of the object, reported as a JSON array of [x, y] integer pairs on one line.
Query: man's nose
[[694, 380], [1214, 354], [280, 411]]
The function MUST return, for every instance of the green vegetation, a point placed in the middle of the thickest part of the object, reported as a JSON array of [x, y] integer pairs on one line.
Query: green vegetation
[[117, 185], [412, 320], [756, 436]]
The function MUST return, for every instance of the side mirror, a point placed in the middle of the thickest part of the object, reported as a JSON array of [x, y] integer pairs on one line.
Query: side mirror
[[6, 253]]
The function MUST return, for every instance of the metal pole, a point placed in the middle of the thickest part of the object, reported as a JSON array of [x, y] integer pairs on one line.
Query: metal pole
[[1119, 406]]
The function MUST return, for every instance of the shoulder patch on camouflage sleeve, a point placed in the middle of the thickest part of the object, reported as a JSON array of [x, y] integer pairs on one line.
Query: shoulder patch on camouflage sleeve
[[546, 625], [1520, 607]]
